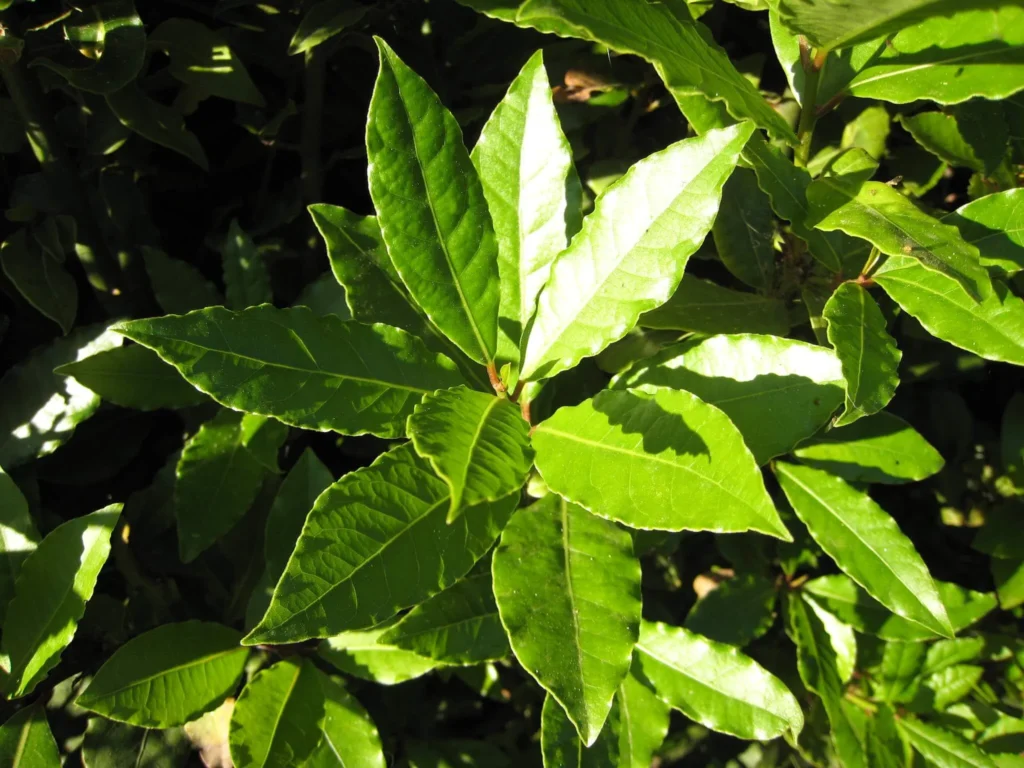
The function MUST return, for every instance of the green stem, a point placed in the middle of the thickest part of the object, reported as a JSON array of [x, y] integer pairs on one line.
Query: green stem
[[809, 108], [871, 263]]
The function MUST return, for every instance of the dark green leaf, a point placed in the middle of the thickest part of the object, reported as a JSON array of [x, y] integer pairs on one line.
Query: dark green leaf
[[168, 676], [376, 542], [972, 135], [744, 231], [323, 21], [26, 740], [246, 280], [109, 744], [157, 122], [736, 612], [561, 747], [18, 536], [42, 280], [304, 370], [995, 226], [133, 377], [706, 307], [349, 735], [179, 287]]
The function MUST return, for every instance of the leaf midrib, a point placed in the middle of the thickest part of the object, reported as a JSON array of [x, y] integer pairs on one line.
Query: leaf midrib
[[573, 610]]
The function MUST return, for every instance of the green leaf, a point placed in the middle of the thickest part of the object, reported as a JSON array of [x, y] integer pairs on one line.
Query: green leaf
[[706, 307], [744, 231], [114, 30], [18, 536], [892, 223], [323, 21], [156, 122], [818, 664], [994, 224], [41, 279], [630, 255], [349, 735], [133, 377], [179, 287], [374, 543], [203, 59], [736, 612], [325, 296], [1008, 576], [477, 443], [279, 717], [942, 748], [431, 208], [457, 626], [304, 370], [948, 686], [216, 481], [561, 747], [868, 354], [786, 186], [168, 675], [26, 740], [883, 741], [296, 496], [567, 587], [55, 583], [776, 391], [525, 167], [877, 449], [841, 595], [109, 744], [715, 685], [950, 59], [993, 328], [865, 543], [359, 653], [972, 135], [834, 24], [681, 50], [943, 654], [643, 723], [246, 280], [655, 458], [1002, 536], [41, 409], [263, 438]]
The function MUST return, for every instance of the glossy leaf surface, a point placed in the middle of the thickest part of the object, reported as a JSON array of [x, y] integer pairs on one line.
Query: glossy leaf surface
[[360, 653], [878, 449], [477, 443], [567, 587], [706, 307], [660, 459], [168, 675], [431, 208], [19, 536], [630, 255], [525, 167], [349, 736], [388, 519], [941, 747], [992, 328], [867, 353], [865, 543], [714, 684], [457, 626], [278, 718], [304, 370], [776, 391], [55, 583], [994, 224], [133, 377]]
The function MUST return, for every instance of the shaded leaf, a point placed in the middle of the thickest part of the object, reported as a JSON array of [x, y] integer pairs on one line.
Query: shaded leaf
[[41, 280], [168, 675], [744, 231], [361, 654], [133, 377], [109, 744], [216, 481], [686, 465], [304, 370], [877, 449], [865, 543], [55, 583], [867, 353], [156, 122], [179, 287], [323, 21], [776, 391], [41, 409], [246, 280], [994, 224], [374, 543], [736, 612], [567, 587], [630, 255], [18, 536], [26, 740], [561, 746], [477, 443], [349, 735], [706, 307], [457, 626], [972, 135], [715, 685], [279, 716]]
